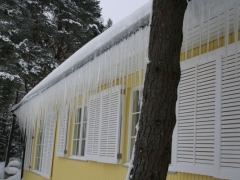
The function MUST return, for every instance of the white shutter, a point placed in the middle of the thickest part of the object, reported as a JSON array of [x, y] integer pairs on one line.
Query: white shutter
[[205, 113], [230, 118], [187, 93], [62, 131], [28, 149], [49, 135], [196, 117], [110, 125], [93, 128]]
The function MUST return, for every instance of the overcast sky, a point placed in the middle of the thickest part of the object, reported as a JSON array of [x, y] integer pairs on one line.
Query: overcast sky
[[118, 9]]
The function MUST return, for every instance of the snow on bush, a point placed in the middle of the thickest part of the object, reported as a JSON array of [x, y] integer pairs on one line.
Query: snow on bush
[[11, 170]]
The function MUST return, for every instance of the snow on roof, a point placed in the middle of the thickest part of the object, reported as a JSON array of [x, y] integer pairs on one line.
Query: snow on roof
[[96, 46]]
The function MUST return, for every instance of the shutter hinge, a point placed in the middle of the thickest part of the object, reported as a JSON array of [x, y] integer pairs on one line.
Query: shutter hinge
[[32, 137], [122, 91], [119, 156], [65, 151]]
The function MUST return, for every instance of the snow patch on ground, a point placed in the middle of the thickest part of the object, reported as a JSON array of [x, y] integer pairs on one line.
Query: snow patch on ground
[[2, 170], [16, 176]]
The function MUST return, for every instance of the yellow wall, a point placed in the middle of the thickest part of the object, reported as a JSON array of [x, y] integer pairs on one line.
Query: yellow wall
[[209, 47], [28, 175], [186, 176]]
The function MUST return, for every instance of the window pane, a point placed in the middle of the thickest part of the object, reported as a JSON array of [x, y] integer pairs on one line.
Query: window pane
[[75, 149], [83, 148], [134, 123], [78, 115], [36, 163], [85, 114], [84, 130], [76, 134], [136, 105]]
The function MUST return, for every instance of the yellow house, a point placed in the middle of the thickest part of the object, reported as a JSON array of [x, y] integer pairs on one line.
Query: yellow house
[[80, 120]]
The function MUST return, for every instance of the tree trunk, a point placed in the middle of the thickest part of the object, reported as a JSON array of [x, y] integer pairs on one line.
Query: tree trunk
[[157, 120]]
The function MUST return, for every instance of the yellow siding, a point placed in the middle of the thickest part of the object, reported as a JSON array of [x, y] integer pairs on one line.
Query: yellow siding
[[65, 169], [28, 175], [74, 170], [186, 176], [209, 47]]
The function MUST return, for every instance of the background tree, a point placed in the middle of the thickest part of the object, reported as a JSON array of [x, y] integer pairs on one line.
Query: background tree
[[36, 37], [109, 24], [157, 119]]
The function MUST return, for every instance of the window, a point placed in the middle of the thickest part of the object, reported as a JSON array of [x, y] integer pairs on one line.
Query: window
[[79, 133], [134, 116], [39, 148]]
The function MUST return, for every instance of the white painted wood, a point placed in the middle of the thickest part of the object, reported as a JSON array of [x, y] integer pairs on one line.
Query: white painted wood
[[110, 122], [91, 152], [28, 149], [104, 126], [62, 131], [48, 144]]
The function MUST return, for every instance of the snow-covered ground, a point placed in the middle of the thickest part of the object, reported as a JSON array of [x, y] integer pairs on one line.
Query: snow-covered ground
[[14, 177], [2, 170]]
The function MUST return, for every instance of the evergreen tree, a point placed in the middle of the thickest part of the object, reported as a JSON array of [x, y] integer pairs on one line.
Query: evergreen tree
[[109, 24], [5, 126], [36, 37]]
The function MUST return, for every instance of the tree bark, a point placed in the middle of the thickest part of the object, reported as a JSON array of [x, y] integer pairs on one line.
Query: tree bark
[[157, 120]]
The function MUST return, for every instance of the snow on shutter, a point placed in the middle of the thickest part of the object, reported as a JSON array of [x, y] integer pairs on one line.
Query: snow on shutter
[[28, 149], [49, 134], [196, 118], [230, 117], [93, 127], [110, 125], [62, 131]]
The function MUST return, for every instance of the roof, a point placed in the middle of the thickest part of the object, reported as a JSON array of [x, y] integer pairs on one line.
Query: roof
[[96, 46]]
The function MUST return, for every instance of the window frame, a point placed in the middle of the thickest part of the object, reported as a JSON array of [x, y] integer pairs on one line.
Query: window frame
[[78, 156]]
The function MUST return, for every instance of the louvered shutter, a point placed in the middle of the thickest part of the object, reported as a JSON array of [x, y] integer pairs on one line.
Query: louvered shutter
[[196, 118], [28, 149], [230, 118], [110, 125], [187, 92], [205, 113], [93, 128], [62, 131], [49, 134]]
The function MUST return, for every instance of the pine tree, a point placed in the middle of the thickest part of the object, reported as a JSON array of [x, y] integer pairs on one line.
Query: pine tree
[[36, 37], [109, 24]]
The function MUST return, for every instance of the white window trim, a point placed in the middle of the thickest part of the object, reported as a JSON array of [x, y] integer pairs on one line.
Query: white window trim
[[79, 157]]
